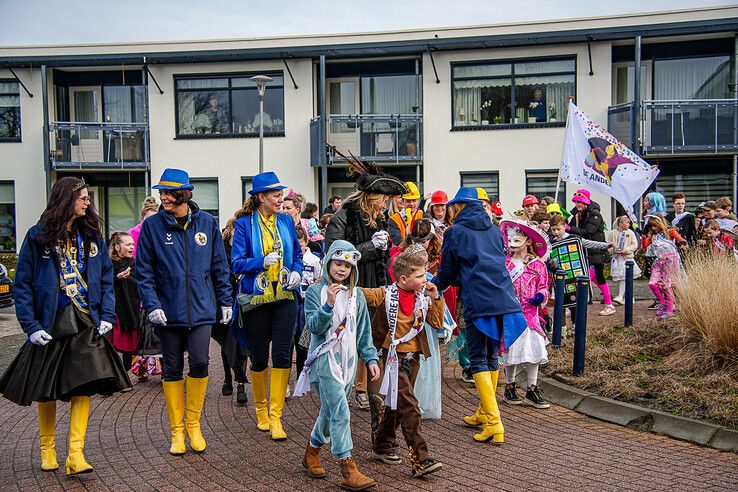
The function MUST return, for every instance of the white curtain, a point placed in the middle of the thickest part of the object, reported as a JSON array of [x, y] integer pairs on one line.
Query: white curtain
[[694, 78], [389, 95]]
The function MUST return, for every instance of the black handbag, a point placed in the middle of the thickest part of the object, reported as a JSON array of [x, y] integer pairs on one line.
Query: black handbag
[[148, 339], [65, 324]]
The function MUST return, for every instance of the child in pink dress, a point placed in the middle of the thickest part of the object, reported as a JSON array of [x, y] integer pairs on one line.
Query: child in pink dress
[[527, 248]]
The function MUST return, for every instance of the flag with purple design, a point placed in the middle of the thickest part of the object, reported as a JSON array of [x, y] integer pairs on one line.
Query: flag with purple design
[[597, 161]]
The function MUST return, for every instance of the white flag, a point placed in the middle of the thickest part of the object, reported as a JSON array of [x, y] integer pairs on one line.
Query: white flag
[[597, 161]]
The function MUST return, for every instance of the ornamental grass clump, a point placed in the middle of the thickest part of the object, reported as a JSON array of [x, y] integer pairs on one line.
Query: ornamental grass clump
[[707, 308]]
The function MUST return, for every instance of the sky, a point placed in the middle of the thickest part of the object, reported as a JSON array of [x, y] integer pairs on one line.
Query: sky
[[38, 22]]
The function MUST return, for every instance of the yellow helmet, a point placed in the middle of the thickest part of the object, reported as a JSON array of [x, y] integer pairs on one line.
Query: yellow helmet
[[482, 194], [414, 191]]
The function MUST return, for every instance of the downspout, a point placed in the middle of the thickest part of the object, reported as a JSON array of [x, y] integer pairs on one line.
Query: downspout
[[323, 149], [636, 117], [46, 143]]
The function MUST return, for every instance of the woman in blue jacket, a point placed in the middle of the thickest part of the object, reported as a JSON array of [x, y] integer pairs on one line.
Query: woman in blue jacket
[[267, 255], [65, 303], [182, 276]]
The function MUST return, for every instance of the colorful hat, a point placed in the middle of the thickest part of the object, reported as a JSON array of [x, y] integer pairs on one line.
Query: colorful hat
[[439, 198], [350, 257], [465, 195], [555, 209], [482, 194], [530, 200], [582, 196], [174, 179], [497, 209], [538, 238], [265, 182], [414, 193], [370, 179]]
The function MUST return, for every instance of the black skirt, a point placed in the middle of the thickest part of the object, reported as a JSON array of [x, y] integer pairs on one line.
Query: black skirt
[[84, 364]]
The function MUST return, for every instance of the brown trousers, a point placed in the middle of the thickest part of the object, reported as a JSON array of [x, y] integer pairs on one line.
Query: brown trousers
[[407, 414]]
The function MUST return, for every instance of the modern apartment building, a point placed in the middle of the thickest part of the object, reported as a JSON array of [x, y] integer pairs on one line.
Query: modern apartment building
[[481, 106]]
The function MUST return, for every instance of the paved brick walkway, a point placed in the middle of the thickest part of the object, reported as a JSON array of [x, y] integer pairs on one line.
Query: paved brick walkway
[[554, 449]]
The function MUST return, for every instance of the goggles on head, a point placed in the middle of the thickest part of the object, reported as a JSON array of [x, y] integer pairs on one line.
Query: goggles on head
[[581, 195], [350, 257]]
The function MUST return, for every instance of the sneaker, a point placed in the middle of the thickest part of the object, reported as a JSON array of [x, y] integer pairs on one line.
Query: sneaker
[[425, 467], [362, 400], [227, 389], [390, 458], [654, 305], [511, 395], [241, 397], [619, 301], [534, 396], [660, 311], [466, 375], [666, 314], [608, 311]]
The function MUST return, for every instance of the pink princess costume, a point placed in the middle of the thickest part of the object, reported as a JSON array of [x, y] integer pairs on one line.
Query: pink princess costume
[[530, 279]]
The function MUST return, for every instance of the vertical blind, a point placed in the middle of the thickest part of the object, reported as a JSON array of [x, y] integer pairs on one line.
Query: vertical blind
[[490, 181]]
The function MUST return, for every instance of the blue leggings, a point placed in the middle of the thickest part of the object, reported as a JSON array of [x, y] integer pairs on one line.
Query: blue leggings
[[483, 350], [334, 420]]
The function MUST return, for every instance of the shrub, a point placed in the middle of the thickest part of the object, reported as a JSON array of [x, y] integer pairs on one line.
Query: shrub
[[707, 308]]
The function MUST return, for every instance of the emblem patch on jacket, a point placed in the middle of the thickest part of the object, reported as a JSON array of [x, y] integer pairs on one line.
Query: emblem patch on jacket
[[201, 238], [93, 250]]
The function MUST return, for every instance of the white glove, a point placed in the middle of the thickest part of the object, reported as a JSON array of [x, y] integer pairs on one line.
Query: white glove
[[40, 337], [226, 313], [380, 239], [157, 317], [445, 336], [271, 259], [104, 327], [294, 281]]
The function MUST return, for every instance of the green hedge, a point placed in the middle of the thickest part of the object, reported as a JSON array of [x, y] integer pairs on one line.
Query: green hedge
[[10, 260]]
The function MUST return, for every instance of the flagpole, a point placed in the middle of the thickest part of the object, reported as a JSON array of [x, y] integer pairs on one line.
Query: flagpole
[[563, 150]]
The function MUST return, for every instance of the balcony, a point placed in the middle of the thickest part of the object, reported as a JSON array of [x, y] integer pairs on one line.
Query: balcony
[[99, 145], [381, 138], [679, 127]]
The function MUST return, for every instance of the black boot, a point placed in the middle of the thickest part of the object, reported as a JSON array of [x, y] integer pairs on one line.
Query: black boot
[[534, 397], [511, 396], [227, 389], [241, 397]]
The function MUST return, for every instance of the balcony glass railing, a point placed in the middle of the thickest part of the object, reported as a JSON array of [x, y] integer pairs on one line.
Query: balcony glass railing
[[100, 145], [377, 137], [679, 126]]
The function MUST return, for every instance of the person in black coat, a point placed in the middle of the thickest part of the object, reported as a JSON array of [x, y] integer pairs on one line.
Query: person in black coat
[[684, 222], [587, 222]]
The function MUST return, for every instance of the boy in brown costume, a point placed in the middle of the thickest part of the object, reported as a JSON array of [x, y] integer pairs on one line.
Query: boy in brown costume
[[402, 310]]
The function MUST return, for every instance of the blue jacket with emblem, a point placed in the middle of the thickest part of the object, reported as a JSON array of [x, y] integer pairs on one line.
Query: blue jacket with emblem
[[183, 271], [36, 289], [473, 257]]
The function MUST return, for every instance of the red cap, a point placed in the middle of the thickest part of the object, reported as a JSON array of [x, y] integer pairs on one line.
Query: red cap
[[530, 200], [439, 198], [497, 209]]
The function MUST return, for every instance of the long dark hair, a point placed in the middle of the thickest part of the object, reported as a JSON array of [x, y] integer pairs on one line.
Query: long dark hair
[[60, 210]]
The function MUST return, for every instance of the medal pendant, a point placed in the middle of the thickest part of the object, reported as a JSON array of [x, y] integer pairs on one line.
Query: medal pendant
[[284, 276], [73, 263], [72, 290], [63, 264], [262, 282], [67, 276]]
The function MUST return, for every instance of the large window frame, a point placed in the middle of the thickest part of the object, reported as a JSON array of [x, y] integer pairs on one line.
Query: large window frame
[[16, 138], [9, 245], [230, 90], [532, 174], [210, 180], [561, 112], [492, 191]]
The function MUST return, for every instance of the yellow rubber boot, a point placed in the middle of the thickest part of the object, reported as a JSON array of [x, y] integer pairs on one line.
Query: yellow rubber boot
[[489, 415], [259, 385], [473, 420], [46, 431], [78, 417], [196, 389], [277, 389], [174, 398]]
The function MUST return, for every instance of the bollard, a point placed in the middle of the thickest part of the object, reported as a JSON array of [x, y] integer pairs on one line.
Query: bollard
[[628, 293], [558, 317], [580, 326]]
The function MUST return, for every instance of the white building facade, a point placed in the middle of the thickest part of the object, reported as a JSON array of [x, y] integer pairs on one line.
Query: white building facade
[[476, 106]]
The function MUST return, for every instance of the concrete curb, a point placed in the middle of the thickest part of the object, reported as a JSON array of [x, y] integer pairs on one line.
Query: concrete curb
[[635, 417]]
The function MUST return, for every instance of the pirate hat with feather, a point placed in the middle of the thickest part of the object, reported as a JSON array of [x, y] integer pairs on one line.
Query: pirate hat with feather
[[369, 178]]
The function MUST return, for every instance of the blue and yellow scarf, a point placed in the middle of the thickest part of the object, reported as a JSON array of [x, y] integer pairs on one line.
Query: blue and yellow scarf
[[282, 236]]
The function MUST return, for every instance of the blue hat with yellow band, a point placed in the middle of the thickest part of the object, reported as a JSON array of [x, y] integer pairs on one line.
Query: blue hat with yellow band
[[465, 195], [174, 179], [265, 182]]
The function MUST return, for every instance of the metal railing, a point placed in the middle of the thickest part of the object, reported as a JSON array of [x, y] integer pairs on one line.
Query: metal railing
[[99, 145], [679, 126], [377, 137]]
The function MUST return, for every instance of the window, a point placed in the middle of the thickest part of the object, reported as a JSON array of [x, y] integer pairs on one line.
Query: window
[[124, 103], [124, 206], [543, 183], [512, 93], [245, 187], [490, 181], [10, 116], [393, 94], [228, 106], [205, 195], [693, 78], [7, 216]]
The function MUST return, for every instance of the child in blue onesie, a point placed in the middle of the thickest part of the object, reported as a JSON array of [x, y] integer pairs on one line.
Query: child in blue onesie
[[337, 317]]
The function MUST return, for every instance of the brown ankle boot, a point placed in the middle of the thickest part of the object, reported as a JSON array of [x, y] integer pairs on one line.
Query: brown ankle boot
[[311, 462], [353, 479]]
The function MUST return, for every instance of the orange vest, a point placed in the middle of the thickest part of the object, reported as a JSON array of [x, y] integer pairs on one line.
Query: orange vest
[[402, 225]]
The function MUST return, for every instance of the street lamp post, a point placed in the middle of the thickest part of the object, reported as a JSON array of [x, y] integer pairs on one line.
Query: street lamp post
[[261, 82]]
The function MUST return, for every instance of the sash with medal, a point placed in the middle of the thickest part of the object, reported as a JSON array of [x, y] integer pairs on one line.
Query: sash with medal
[[391, 370], [264, 284], [71, 267]]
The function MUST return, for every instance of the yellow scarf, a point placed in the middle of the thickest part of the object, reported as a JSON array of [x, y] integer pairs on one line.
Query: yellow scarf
[[268, 228]]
